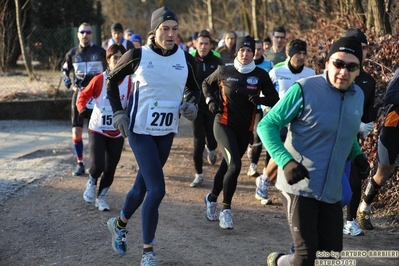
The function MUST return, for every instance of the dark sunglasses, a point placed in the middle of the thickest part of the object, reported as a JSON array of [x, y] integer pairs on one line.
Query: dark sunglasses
[[88, 32], [351, 67]]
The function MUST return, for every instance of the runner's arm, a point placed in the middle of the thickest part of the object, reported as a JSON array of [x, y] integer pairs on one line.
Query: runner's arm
[[125, 67], [286, 110]]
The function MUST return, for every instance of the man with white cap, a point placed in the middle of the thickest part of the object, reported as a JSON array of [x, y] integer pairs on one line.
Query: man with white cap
[[164, 87], [324, 114]]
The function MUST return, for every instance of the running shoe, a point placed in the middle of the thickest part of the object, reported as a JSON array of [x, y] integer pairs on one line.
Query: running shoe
[[226, 219], [272, 258], [261, 190], [101, 204], [352, 228], [118, 236], [79, 170], [149, 259], [210, 209], [90, 192], [199, 178], [364, 221], [211, 157], [252, 171]]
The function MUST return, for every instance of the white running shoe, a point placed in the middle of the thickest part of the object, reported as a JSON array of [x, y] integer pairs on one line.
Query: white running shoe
[[261, 190], [101, 204], [352, 228], [252, 170], [90, 192], [199, 178], [210, 209], [226, 219], [211, 157]]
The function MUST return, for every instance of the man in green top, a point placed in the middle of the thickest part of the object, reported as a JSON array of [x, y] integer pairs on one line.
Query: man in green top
[[276, 53], [324, 114]]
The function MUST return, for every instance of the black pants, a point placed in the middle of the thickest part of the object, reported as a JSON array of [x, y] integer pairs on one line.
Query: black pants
[[356, 187], [104, 157], [202, 128], [76, 119], [233, 144], [315, 226]]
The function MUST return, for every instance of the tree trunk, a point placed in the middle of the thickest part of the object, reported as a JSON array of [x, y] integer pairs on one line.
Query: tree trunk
[[264, 15], [25, 54], [375, 16], [254, 20], [210, 16], [244, 15]]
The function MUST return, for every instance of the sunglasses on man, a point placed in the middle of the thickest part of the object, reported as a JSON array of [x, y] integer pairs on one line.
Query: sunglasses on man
[[88, 32], [351, 67]]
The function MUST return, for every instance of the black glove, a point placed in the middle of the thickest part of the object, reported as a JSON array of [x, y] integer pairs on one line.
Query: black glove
[[362, 166], [255, 99], [67, 82], [78, 82], [370, 114], [295, 172], [85, 113], [215, 107]]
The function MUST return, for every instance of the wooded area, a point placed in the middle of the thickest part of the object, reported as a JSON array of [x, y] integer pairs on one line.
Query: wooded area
[[256, 17]]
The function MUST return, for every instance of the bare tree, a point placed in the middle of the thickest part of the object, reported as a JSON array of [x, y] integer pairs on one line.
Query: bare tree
[[25, 54], [263, 15], [254, 20], [210, 13], [5, 17], [377, 17]]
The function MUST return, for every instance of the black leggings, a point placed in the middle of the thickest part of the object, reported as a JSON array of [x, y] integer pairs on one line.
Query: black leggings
[[315, 226], [233, 145], [104, 157], [202, 128], [356, 187]]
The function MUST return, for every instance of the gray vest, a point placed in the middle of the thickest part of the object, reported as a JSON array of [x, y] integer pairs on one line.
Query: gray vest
[[321, 138]]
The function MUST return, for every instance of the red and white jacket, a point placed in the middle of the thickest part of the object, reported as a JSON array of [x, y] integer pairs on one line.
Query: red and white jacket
[[101, 118]]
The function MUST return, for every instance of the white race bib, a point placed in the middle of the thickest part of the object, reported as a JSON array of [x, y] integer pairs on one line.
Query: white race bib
[[162, 116], [106, 119]]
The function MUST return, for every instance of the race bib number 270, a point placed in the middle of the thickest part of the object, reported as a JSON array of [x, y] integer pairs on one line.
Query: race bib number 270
[[163, 116]]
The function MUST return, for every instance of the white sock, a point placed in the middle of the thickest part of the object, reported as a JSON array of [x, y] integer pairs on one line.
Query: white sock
[[364, 207]]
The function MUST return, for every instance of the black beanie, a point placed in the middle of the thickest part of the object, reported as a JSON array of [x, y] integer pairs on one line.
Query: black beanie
[[247, 41], [160, 15], [117, 27], [348, 45], [296, 46], [358, 34]]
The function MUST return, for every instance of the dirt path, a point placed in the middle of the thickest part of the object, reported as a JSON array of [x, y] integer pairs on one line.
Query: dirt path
[[48, 223]]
